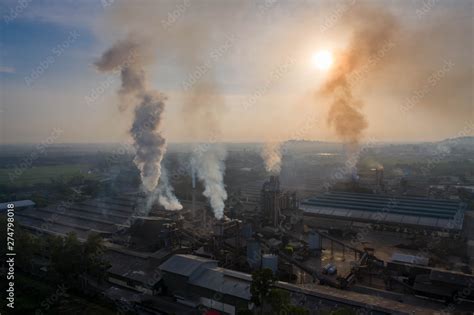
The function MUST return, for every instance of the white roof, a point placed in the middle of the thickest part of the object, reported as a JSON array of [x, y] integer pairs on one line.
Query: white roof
[[410, 259], [18, 204]]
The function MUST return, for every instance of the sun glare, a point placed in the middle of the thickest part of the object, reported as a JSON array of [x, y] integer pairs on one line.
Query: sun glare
[[322, 60]]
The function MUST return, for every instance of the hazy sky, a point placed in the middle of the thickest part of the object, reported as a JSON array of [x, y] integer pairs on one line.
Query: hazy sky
[[258, 54]]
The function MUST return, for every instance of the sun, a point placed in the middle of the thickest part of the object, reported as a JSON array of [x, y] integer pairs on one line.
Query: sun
[[322, 60]]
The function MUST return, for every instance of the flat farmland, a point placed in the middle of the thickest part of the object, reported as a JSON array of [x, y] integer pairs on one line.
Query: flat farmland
[[42, 174]]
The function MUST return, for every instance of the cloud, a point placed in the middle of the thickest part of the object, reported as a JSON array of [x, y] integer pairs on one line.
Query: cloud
[[6, 69], [62, 13]]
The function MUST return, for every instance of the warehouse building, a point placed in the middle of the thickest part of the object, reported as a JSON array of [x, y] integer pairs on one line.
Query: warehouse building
[[405, 212], [134, 270], [197, 281], [102, 215]]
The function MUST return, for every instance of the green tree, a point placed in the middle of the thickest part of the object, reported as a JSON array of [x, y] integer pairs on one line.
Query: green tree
[[39, 199], [94, 264], [91, 187], [280, 300], [262, 281], [340, 311], [66, 257], [289, 250], [71, 258]]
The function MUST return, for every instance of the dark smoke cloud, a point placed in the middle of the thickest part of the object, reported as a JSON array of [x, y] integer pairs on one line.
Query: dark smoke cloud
[[118, 55], [197, 48], [372, 28], [150, 145]]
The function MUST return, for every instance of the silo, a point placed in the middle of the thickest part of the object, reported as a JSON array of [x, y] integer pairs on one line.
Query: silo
[[247, 231], [314, 241], [270, 261], [253, 253]]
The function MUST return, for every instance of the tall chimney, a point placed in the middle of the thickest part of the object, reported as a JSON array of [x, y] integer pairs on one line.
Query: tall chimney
[[193, 206]]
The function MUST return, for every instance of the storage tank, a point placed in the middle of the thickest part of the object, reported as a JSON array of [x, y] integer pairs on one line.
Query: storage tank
[[253, 253], [270, 261], [247, 231], [314, 241]]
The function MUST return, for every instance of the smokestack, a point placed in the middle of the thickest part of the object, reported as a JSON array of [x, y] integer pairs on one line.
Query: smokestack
[[193, 207], [379, 178], [193, 175]]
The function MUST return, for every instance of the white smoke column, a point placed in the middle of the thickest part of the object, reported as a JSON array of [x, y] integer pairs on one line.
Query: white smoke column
[[149, 144], [166, 196], [193, 176], [209, 163], [130, 57], [271, 154]]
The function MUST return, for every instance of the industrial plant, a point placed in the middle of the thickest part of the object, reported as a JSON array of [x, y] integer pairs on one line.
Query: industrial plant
[[328, 249], [245, 157]]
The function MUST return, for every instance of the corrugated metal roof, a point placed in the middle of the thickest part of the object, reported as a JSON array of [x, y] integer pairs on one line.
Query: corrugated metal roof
[[144, 270], [185, 265], [202, 272], [401, 210], [18, 204], [237, 284], [215, 279]]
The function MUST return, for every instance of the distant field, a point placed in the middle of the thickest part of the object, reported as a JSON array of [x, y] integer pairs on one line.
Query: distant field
[[43, 174]]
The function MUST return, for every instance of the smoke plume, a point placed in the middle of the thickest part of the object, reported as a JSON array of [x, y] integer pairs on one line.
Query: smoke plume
[[149, 143], [372, 29], [271, 154], [198, 40], [165, 193], [130, 57], [203, 109], [208, 161]]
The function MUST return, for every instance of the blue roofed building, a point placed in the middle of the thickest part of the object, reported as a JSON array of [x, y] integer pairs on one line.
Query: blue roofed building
[[18, 205], [406, 212]]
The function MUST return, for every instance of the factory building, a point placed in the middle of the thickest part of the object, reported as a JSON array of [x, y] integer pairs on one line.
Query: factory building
[[404, 212], [431, 282], [133, 270], [197, 281], [102, 215], [152, 232]]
